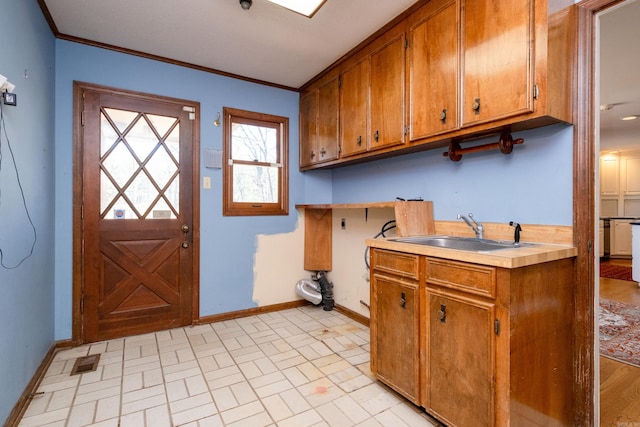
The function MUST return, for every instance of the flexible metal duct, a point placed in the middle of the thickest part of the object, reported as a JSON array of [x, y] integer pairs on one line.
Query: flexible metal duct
[[309, 290]]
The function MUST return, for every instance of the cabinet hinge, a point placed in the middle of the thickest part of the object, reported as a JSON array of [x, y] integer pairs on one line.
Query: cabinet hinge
[[82, 303], [82, 118], [339, 82], [406, 130], [536, 91], [496, 326], [82, 212], [589, 246], [406, 44]]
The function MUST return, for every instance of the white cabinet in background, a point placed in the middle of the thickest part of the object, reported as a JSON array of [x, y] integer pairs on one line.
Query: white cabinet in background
[[621, 237], [609, 175], [631, 174]]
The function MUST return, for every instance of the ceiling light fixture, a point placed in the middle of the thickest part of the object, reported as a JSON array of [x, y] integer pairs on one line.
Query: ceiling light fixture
[[246, 4], [627, 118], [304, 7]]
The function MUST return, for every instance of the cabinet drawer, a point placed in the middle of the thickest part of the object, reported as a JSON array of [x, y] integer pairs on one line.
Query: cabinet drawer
[[396, 263], [472, 278]]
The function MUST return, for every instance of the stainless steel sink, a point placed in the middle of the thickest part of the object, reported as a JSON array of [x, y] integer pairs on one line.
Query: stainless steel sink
[[462, 243]]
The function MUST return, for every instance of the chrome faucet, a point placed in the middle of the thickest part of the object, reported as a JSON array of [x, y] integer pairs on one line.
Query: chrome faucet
[[477, 228]]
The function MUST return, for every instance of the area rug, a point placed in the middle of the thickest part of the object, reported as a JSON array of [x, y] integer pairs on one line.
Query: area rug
[[614, 271], [619, 325]]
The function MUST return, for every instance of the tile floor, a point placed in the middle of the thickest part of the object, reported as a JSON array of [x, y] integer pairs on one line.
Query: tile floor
[[298, 367]]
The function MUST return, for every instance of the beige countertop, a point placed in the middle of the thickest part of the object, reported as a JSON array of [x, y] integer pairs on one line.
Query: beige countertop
[[506, 258]]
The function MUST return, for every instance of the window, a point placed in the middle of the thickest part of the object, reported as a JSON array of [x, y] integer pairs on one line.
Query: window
[[255, 164]]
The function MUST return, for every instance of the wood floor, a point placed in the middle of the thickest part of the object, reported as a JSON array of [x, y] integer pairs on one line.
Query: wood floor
[[619, 382]]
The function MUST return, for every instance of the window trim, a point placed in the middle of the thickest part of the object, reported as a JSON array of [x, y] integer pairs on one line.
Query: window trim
[[281, 124]]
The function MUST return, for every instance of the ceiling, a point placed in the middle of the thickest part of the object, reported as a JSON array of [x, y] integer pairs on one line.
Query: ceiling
[[619, 77], [267, 43]]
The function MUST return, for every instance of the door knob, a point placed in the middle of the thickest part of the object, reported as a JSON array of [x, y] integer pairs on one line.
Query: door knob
[[184, 228], [185, 245], [476, 105]]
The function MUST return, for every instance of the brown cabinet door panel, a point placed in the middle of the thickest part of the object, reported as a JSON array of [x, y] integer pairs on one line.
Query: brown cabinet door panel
[[433, 78], [460, 367], [354, 104], [387, 94], [396, 345], [497, 44]]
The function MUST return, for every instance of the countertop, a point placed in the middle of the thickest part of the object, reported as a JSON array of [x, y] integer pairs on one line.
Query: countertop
[[505, 258]]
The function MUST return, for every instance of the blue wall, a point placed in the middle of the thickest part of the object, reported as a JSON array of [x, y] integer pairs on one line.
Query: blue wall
[[26, 304], [227, 243], [532, 185]]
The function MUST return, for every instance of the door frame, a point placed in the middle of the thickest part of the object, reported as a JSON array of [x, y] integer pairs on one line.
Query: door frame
[[584, 212], [77, 335]]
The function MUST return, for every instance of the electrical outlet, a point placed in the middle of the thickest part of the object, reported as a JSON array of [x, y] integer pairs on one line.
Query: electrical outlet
[[9, 98], [206, 182]]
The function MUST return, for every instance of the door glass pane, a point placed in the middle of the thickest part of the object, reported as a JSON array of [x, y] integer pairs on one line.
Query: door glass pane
[[140, 159], [254, 143], [255, 184]]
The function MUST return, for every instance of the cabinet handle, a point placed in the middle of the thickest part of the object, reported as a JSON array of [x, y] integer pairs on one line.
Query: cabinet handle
[[403, 300], [359, 140], [443, 115], [323, 152], [476, 105], [376, 136], [313, 154], [442, 313]]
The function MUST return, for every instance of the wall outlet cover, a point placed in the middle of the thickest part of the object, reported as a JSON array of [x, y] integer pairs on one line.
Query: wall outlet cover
[[9, 98]]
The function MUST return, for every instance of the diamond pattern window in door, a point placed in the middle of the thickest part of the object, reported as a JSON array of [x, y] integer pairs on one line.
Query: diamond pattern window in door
[[139, 165]]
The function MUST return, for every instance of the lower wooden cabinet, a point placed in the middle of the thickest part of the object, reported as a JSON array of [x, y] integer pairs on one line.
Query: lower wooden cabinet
[[460, 359], [475, 345], [397, 347]]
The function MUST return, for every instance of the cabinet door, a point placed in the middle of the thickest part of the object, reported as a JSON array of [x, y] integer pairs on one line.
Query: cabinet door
[[433, 74], [354, 104], [497, 41], [395, 352], [621, 242], [609, 175], [328, 98], [460, 360], [308, 127], [387, 94]]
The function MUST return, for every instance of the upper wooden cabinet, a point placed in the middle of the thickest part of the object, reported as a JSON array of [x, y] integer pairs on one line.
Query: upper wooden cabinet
[[319, 124], [372, 99], [455, 69], [433, 72], [497, 66], [354, 109], [387, 94]]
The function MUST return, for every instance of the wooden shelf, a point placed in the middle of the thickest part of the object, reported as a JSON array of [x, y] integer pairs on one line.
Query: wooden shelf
[[413, 218]]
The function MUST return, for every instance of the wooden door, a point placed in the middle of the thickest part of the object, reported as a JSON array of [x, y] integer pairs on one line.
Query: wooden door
[[395, 346], [354, 109], [460, 360], [137, 196], [433, 74], [497, 45], [387, 94]]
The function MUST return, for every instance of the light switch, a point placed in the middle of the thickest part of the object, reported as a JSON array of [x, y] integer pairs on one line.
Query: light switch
[[206, 182]]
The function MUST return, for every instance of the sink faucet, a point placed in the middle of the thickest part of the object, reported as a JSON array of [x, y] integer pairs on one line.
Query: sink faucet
[[477, 228]]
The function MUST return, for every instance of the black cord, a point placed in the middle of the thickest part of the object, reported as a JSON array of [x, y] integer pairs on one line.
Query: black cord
[[389, 225], [3, 130]]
